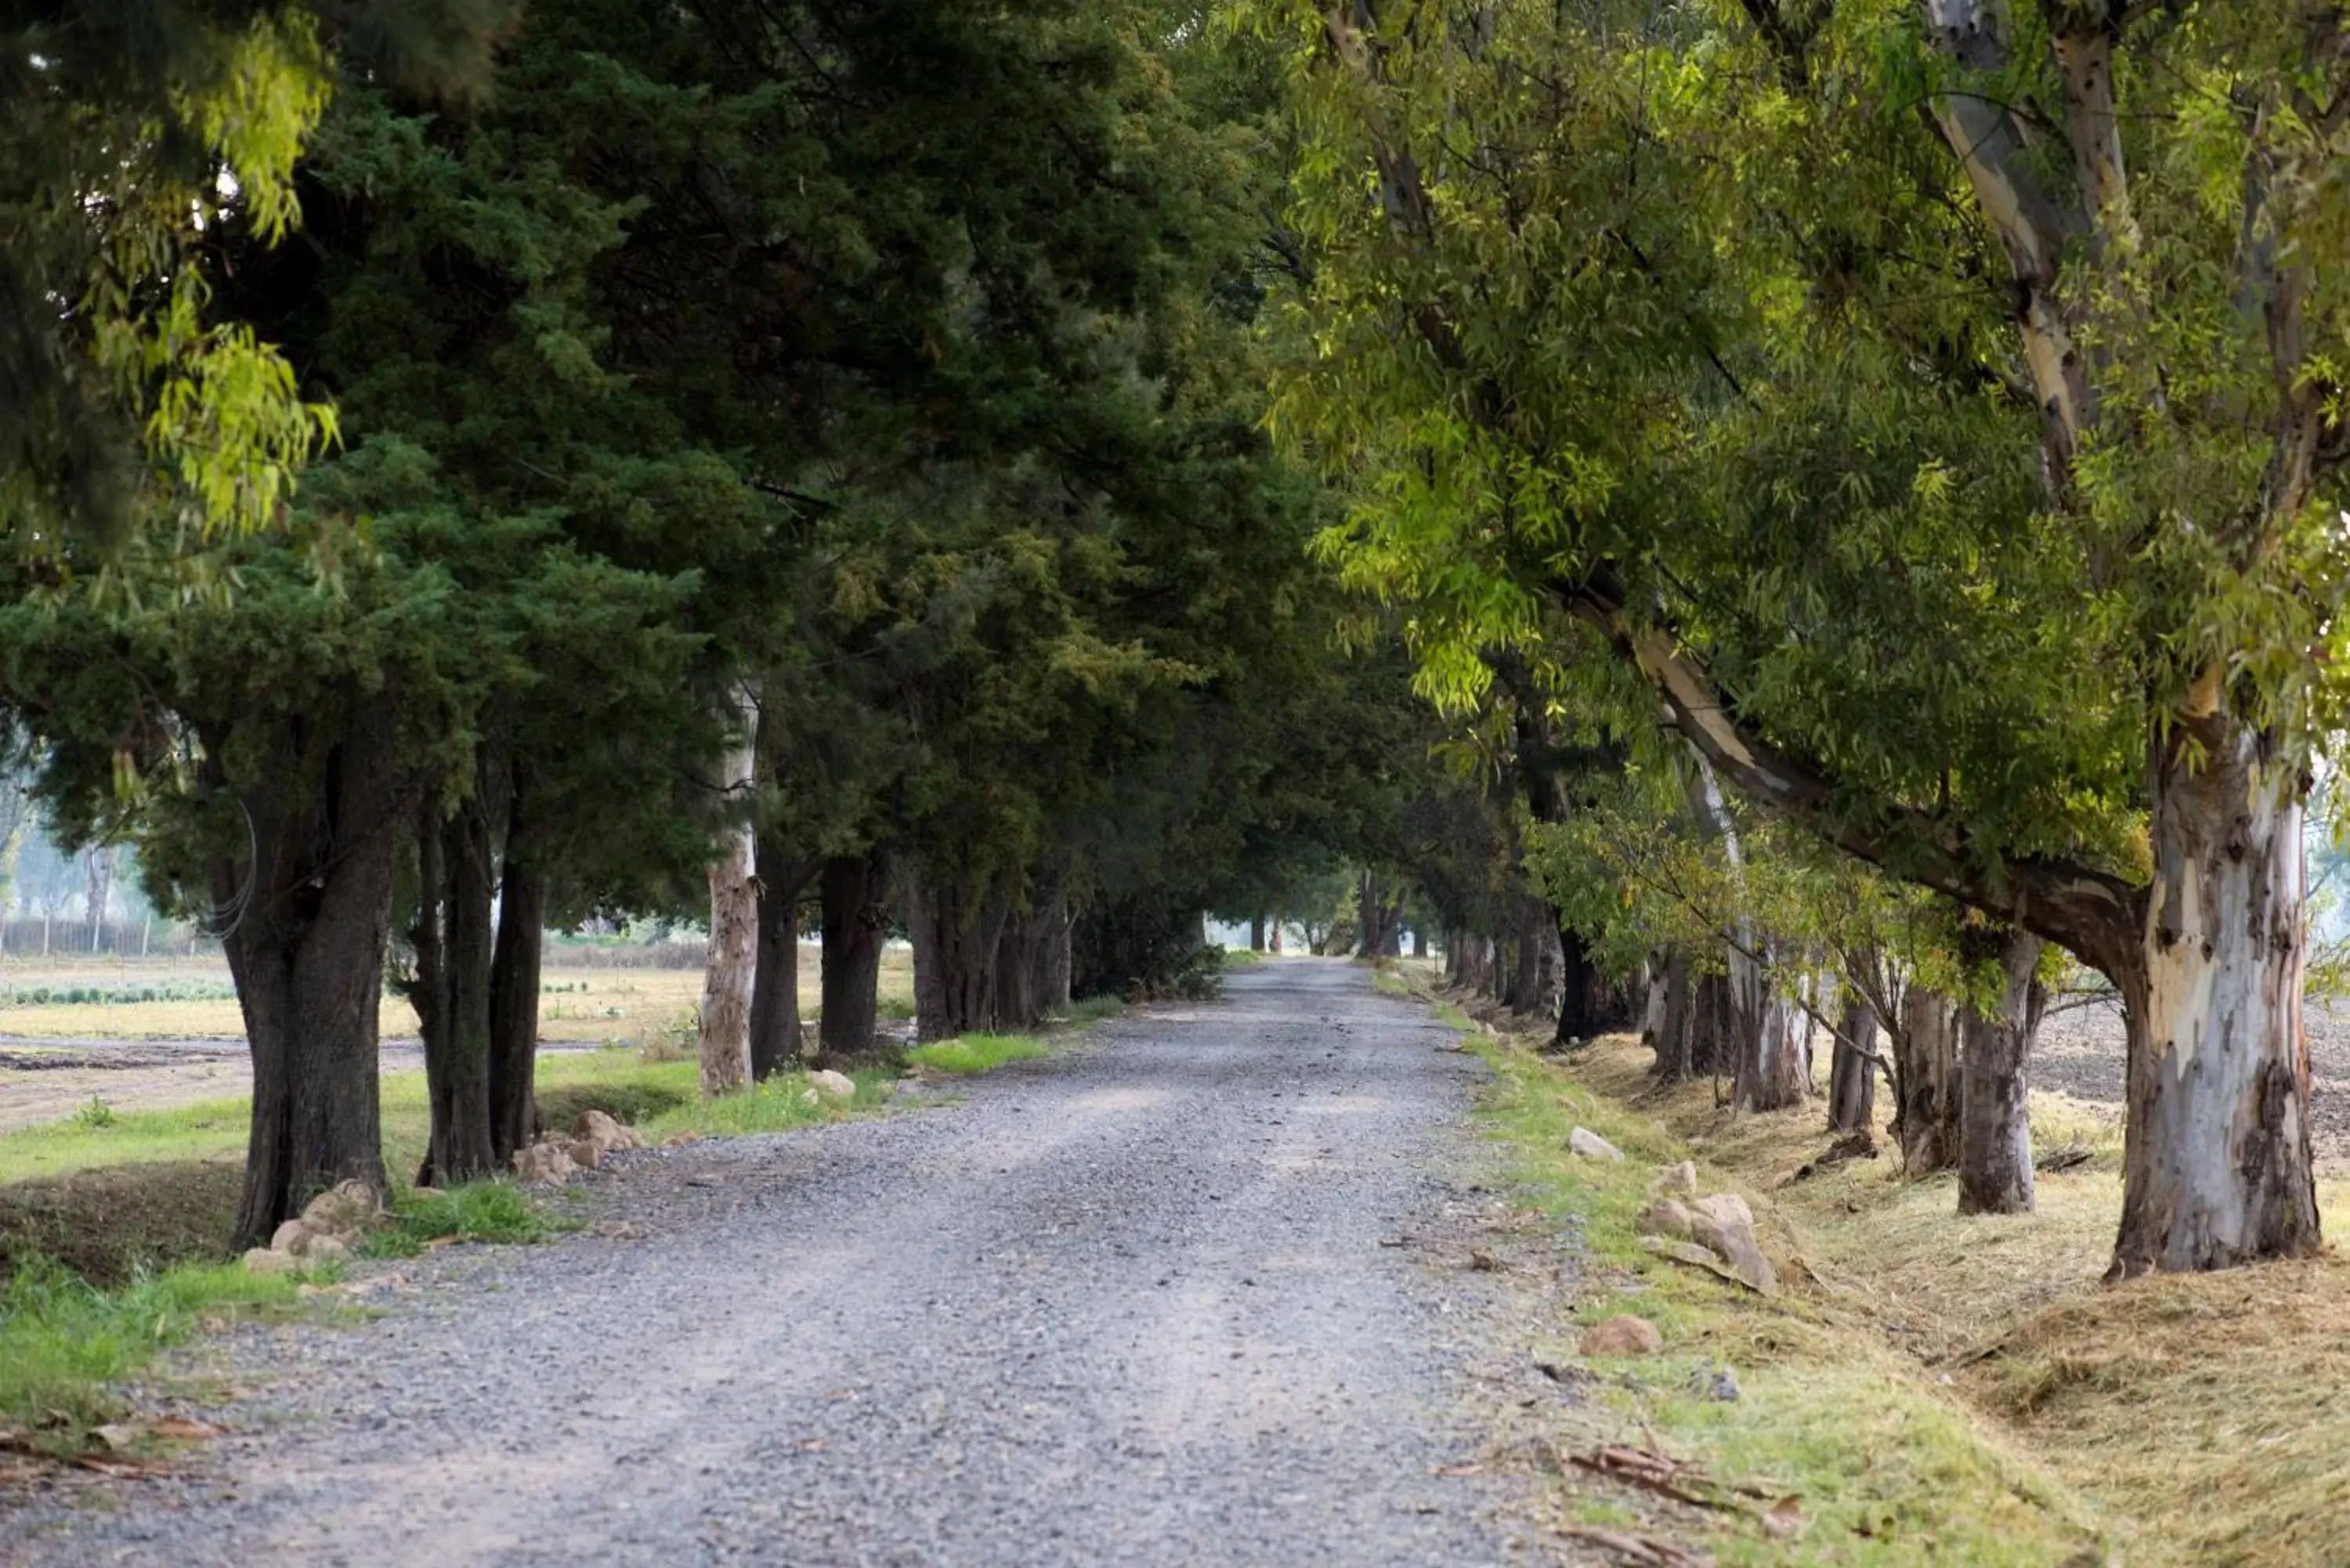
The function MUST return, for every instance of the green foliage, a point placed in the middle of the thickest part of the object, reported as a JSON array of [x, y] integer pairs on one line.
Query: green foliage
[[96, 1115]]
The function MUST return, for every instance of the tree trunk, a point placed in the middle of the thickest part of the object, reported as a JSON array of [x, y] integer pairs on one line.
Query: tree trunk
[[1674, 1029], [453, 942], [514, 995], [2218, 1166], [1016, 1006], [1588, 1006], [1041, 948], [1381, 919], [1995, 1118], [855, 893], [1536, 933], [776, 988], [732, 965], [1774, 1067], [1714, 1028], [1256, 933], [1771, 1071], [1926, 1089], [306, 948], [956, 931], [1852, 1075], [1419, 943]]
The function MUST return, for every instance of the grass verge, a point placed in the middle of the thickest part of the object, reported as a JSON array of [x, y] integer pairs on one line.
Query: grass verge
[[1888, 1466], [972, 1054], [1973, 1378], [475, 1211], [65, 1343]]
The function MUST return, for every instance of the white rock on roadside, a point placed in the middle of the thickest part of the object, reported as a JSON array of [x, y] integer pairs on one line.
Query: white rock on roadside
[[262, 1260], [838, 1085], [1591, 1146]]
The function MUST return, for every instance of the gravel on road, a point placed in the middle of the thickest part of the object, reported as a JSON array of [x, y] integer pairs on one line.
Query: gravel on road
[[1193, 1293]]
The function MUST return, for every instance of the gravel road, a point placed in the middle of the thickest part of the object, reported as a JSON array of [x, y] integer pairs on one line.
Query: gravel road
[[1191, 1293]]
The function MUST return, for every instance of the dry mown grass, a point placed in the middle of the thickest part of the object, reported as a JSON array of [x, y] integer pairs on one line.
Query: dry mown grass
[[2200, 1419]]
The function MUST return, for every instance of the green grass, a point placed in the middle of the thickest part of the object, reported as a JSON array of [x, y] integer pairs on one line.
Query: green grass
[[476, 1212], [63, 1343], [206, 1130], [978, 1052], [779, 1104], [1087, 1011], [1889, 1469]]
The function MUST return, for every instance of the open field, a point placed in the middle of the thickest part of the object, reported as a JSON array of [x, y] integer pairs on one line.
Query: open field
[[149, 1054]]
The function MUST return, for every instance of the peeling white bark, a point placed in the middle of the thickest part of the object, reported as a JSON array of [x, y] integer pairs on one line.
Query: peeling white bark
[[2217, 1169], [731, 968]]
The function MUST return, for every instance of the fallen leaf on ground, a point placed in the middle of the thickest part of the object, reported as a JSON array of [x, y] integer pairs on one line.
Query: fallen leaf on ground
[[115, 1435], [123, 1470], [1467, 1470], [181, 1427], [1782, 1518], [1485, 1262]]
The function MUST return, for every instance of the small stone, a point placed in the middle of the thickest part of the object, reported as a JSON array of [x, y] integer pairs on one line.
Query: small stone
[[319, 1249], [1725, 1208], [543, 1163], [1723, 1224], [1666, 1217], [1591, 1146], [1722, 1388], [604, 1132], [262, 1260], [342, 1209], [838, 1085], [1622, 1335], [586, 1153], [289, 1237], [1676, 1181]]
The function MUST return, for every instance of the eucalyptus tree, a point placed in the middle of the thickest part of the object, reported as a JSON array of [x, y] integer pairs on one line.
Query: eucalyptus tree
[[1961, 482]]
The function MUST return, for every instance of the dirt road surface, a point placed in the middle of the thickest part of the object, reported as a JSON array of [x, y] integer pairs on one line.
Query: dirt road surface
[[1192, 1293]]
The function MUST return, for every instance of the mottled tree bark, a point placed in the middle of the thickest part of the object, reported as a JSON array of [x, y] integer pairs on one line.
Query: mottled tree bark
[[2219, 1166], [731, 968], [1994, 1117], [1926, 1074], [1851, 1073]]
